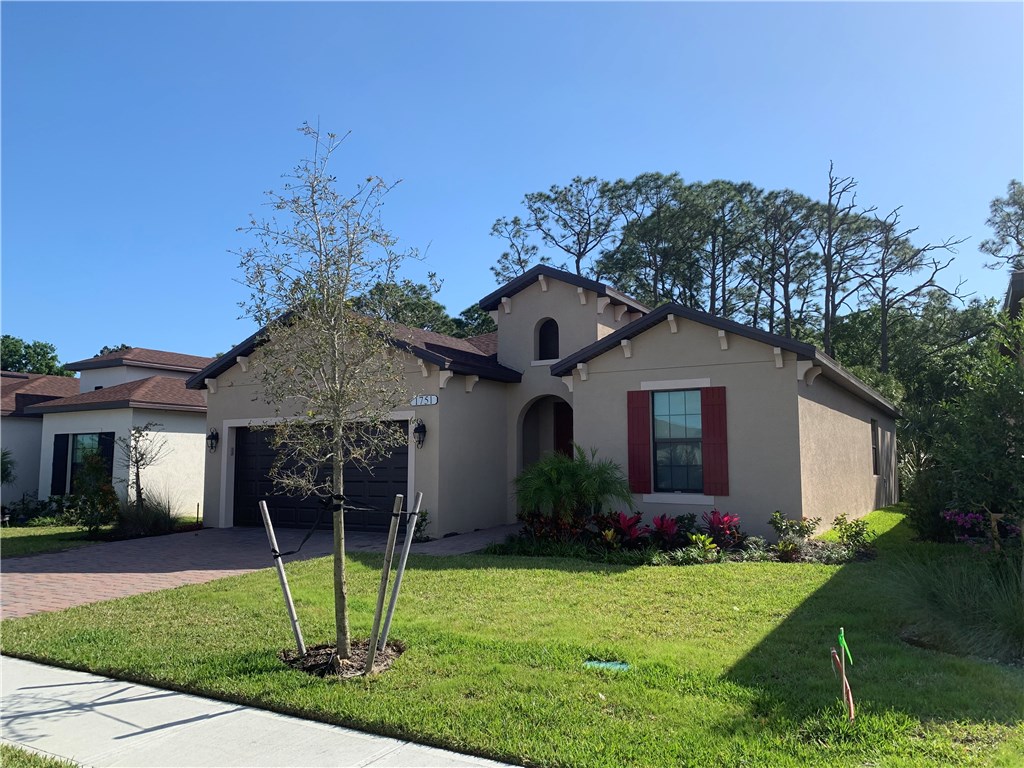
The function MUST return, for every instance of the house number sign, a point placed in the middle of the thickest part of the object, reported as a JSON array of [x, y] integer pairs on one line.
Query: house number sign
[[424, 400]]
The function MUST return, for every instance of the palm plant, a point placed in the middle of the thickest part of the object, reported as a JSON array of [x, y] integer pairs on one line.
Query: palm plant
[[565, 492]]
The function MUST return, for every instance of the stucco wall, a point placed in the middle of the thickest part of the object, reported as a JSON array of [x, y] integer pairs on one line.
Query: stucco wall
[[578, 324], [120, 374], [761, 407], [116, 420], [473, 447], [835, 446], [178, 476], [21, 436]]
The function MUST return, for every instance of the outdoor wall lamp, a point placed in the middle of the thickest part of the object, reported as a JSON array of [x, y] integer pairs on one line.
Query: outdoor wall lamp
[[212, 439], [419, 433]]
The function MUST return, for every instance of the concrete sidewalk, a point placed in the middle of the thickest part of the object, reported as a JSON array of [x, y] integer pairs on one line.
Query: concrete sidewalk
[[97, 721]]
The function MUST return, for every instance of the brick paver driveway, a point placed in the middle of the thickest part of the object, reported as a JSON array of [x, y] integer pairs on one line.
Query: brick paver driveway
[[51, 582]]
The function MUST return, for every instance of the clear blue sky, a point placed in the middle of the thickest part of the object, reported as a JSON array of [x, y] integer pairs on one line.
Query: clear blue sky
[[136, 138]]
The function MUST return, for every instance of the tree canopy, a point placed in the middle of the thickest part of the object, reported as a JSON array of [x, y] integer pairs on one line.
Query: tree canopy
[[31, 357]]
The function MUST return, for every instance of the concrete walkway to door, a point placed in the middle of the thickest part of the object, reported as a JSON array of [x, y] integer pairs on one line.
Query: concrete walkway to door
[[104, 571]]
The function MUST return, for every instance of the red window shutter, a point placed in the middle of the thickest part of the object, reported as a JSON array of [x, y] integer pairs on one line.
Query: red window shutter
[[715, 448], [638, 434]]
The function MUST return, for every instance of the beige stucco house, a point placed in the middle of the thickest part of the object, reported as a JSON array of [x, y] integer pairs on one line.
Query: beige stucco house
[[116, 392], [701, 412]]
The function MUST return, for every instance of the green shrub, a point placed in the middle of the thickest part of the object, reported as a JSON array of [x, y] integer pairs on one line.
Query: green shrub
[[419, 534], [756, 550], [798, 529], [926, 498], [853, 534]]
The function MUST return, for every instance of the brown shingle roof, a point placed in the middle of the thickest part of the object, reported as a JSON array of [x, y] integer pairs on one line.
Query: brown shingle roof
[[485, 342], [161, 392], [20, 390], [462, 356], [143, 358]]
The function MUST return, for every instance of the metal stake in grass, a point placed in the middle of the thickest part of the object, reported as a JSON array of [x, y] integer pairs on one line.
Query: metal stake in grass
[[839, 662], [410, 531], [279, 564], [389, 552]]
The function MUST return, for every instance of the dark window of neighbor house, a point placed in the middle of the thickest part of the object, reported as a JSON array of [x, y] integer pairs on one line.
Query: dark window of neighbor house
[[70, 453], [678, 463], [874, 447], [547, 340]]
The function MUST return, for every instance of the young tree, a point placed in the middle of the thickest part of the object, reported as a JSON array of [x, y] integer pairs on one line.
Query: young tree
[[1007, 222], [31, 357], [141, 449], [333, 375]]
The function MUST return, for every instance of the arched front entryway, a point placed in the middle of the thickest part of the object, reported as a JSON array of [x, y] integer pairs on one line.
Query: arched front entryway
[[546, 428]]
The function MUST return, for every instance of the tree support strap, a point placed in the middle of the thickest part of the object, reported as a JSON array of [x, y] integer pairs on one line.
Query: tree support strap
[[337, 504]]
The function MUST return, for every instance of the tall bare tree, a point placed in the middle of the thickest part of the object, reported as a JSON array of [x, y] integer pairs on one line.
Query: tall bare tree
[[891, 261], [843, 236], [332, 375]]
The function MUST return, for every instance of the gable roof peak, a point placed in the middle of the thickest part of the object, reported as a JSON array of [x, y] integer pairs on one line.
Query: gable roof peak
[[492, 300]]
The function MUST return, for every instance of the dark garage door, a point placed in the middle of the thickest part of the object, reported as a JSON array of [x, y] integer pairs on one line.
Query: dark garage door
[[364, 488]]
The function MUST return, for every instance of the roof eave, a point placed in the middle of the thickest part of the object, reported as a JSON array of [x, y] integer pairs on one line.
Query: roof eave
[[492, 300]]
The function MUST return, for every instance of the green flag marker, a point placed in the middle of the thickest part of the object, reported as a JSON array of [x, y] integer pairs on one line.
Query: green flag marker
[[844, 646]]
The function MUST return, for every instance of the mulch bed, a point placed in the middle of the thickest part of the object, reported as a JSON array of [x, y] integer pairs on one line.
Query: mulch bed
[[317, 660]]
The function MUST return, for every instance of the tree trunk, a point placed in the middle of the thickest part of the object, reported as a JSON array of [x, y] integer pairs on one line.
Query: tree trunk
[[883, 342], [341, 628], [138, 489]]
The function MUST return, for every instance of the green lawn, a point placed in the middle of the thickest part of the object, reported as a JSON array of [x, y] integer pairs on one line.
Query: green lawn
[[730, 662], [12, 757], [39, 539]]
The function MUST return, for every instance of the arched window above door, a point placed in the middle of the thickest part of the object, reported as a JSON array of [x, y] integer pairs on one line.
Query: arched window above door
[[547, 341]]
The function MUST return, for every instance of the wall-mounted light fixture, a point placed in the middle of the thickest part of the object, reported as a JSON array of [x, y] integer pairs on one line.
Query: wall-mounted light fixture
[[419, 432], [212, 439]]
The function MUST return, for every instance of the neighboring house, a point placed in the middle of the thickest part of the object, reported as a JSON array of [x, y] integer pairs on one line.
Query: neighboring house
[[21, 432], [701, 412], [117, 392]]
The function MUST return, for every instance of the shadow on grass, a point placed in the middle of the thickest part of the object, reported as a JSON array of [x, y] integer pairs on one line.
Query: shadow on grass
[[789, 670]]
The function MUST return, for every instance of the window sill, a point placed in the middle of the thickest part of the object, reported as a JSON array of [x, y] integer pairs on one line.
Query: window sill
[[681, 499], [545, 362]]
